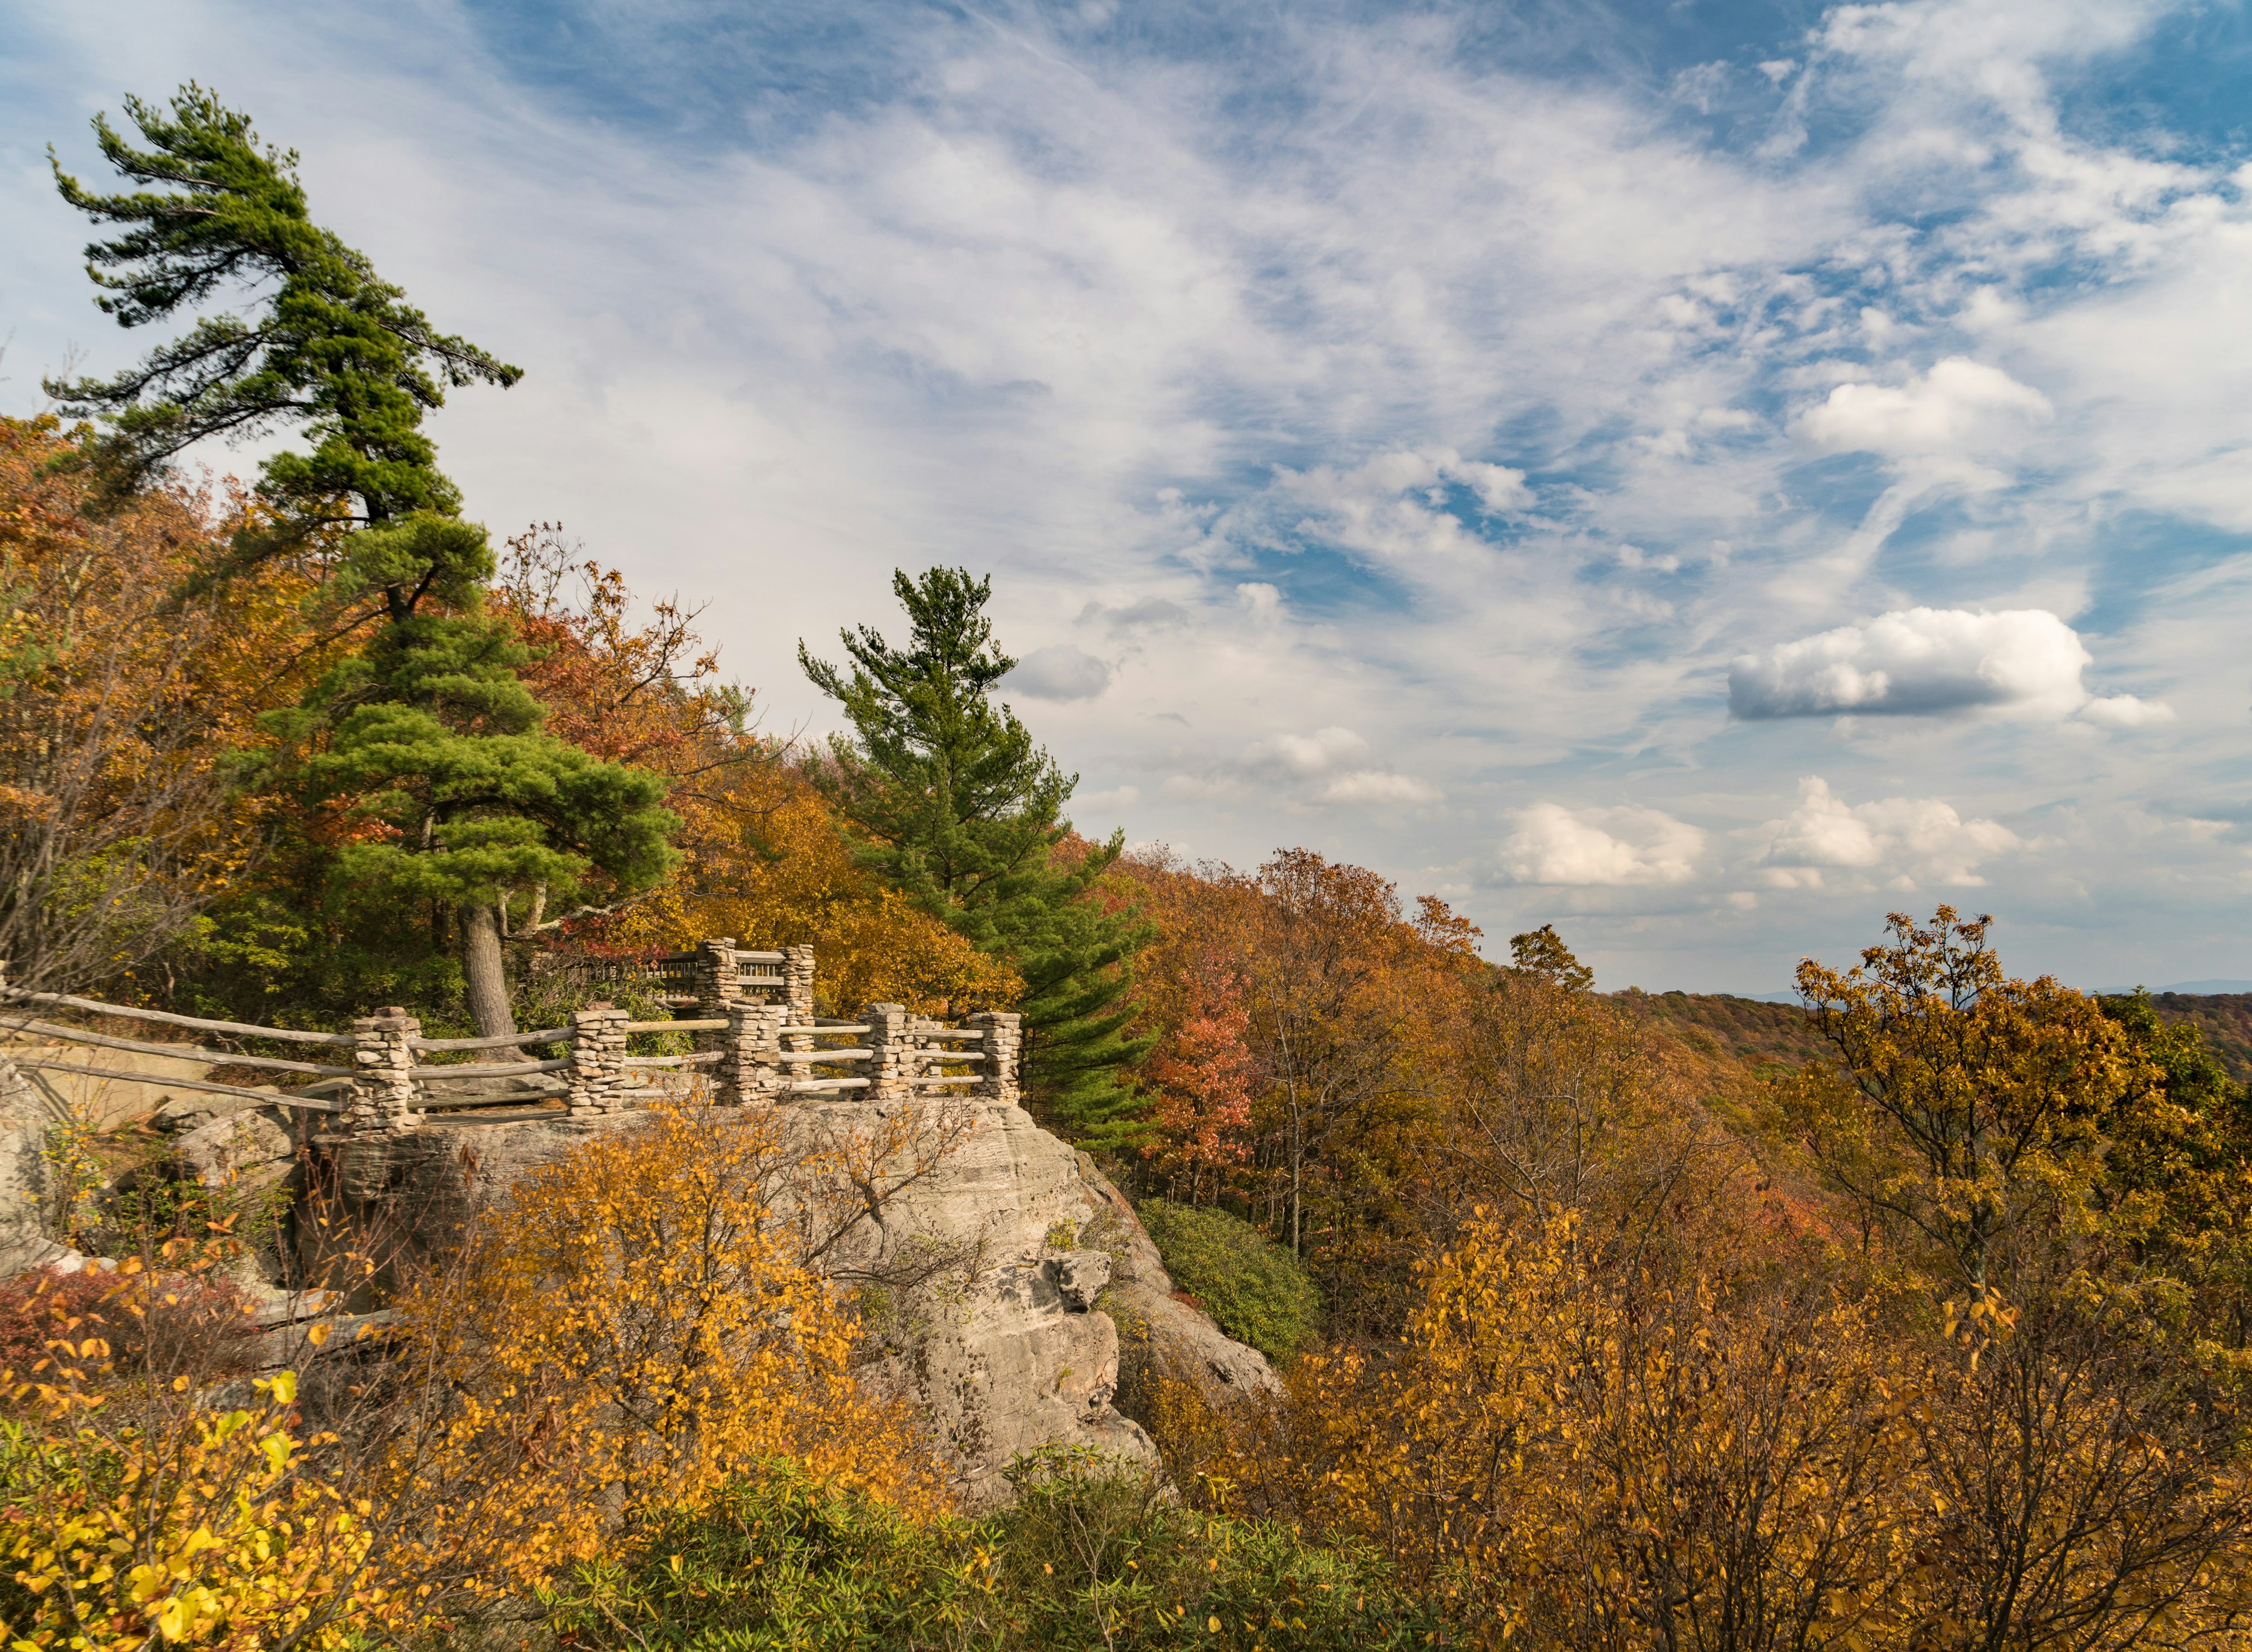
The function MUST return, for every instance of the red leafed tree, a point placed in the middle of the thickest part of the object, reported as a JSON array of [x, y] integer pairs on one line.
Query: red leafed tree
[[1207, 1079]]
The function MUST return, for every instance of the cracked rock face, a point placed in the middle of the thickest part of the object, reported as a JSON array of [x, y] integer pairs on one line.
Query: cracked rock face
[[991, 1287]]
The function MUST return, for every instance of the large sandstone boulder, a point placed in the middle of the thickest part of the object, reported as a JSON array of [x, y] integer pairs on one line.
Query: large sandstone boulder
[[241, 1154], [994, 1287], [1159, 1332]]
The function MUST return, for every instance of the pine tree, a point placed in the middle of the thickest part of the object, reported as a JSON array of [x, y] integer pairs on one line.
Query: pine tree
[[426, 747], [949, 800]]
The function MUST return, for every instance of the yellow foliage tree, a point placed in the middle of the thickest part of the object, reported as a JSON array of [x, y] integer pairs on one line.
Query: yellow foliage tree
[[1963, 1105]]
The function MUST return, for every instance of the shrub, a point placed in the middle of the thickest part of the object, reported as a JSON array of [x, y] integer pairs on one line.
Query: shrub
[[1253, 1289], [1091, 1554]]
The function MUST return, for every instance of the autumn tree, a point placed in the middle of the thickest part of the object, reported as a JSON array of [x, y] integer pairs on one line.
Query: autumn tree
[[1541, 953], [428, 741], [1963, 1105], [950, 801], [119, 713]]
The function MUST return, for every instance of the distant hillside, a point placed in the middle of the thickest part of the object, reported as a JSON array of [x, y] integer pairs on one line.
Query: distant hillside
[[1756, 1031], [1720, 1023], [2224, 1017]]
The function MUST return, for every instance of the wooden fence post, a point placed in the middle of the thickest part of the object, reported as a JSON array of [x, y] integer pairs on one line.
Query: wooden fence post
[[383, 1098], [597, 1073], [1003, 1037]]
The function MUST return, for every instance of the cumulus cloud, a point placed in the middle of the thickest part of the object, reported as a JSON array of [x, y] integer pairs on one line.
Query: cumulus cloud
[[1303, 755], [1959, 404], [1375, 786], [1905, 840], [2124, 710], [1149, 613], [1328, 766], [1108, 802], [1600, 846], [1928, 660], [1060, 671]]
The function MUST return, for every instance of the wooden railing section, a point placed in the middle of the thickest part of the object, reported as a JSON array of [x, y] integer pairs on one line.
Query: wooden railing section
[[756, 1039]]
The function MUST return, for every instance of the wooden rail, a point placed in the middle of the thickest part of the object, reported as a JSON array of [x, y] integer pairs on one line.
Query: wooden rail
[[272, 1098], [498, 1041], [397, 1079], [491, 1069], [183, 1051], [287, 1035]]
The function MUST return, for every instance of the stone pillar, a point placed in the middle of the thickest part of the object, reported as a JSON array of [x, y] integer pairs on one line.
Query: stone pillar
[[383, 1098], [797, 993], [715, 977], [891, 1035], [1004, 1039], [748, 1070], [22, 1166], [597, 1073]]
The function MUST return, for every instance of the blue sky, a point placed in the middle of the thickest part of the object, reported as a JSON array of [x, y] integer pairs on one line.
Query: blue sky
[[1701, 475]]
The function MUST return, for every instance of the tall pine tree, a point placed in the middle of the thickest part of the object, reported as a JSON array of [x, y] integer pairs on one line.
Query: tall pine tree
[[427, 747], [949, 800]]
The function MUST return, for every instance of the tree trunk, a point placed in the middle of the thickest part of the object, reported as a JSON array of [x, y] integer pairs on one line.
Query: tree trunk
[[481, 965]]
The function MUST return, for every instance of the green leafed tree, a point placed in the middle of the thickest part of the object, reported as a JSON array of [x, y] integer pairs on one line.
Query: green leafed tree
[[950, 801], [424, 751]]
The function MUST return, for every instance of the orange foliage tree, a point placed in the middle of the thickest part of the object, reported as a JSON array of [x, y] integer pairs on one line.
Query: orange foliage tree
[[765, 861], [123, 692]]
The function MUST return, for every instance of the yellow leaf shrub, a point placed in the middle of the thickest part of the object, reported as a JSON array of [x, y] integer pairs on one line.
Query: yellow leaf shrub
[[135, 1513], [625, 1330]]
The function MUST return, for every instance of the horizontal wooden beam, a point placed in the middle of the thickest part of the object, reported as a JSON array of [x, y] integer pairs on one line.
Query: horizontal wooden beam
[[287, 1035]]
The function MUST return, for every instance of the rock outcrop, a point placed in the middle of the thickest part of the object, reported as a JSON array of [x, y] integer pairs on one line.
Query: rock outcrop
[[996, 1287]]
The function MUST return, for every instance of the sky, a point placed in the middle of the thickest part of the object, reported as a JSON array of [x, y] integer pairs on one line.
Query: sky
[[1702, 474]]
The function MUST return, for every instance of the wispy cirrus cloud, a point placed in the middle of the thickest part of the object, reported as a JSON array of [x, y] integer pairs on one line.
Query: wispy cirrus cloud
[[1579, 445]]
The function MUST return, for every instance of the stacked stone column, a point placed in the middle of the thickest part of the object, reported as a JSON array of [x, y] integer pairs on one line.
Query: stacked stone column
[[716, 984], [15, 1090], [597, 1076], [383, 1098], [797, 993], [896, 1063], [750, 1069], [1001, 1043]]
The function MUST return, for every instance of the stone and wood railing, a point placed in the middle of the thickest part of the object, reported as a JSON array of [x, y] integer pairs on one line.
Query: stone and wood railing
[[750, 1016]]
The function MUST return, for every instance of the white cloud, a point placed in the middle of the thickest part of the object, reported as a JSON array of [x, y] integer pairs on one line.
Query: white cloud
[[1904, 840], [1918, 660], [2124, 710], [1108, 802], [1374, 786], [1302, 756], [1328, 766], [1599, 848], [1040, 297], [1394, 509], [1960, 405], [1059, 671]]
